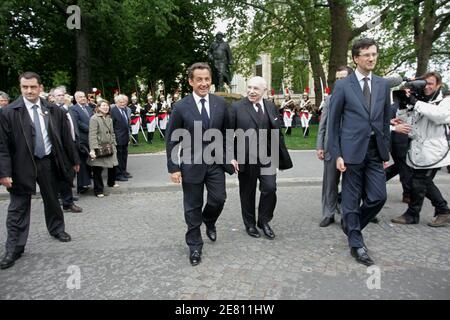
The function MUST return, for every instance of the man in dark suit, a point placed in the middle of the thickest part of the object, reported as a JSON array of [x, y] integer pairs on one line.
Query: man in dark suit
[[65, 188], [331, 176], [121, 123], [35, 146], [81, 113], [197, 114], [359, 139], [260, 125]]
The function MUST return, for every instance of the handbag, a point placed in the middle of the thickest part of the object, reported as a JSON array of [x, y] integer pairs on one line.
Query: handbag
[[104, 150]]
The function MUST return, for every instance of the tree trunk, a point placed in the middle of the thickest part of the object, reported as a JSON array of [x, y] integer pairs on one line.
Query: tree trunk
[[83, 57], [314, 56], [341, 34], [424, 38]]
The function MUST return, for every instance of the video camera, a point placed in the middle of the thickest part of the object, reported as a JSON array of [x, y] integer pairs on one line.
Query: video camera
[[416, 88]]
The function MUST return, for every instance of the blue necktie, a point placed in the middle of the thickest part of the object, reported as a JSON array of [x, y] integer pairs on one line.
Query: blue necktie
[[85, 111], [124, 115], [39, 145], [205, 117]]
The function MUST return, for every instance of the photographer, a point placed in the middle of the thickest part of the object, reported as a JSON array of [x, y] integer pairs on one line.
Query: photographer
[[429, 114]]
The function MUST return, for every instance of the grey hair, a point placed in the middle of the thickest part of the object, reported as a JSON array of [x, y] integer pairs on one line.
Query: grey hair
[[4, 95], [120, 97], [259, 80]]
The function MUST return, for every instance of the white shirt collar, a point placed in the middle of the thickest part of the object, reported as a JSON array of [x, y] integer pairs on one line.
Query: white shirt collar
[[360, 76], [197, 98], [30, 104]]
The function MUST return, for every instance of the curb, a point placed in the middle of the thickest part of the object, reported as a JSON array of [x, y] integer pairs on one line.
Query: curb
[[282, 182]]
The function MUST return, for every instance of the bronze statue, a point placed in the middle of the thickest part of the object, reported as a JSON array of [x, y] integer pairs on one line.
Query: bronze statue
[[220, 54]]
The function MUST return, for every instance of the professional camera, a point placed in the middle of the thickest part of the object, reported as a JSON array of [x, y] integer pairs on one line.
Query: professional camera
[[416, 89]]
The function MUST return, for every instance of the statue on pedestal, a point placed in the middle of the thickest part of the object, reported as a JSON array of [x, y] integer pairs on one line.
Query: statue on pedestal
[[220, 54]]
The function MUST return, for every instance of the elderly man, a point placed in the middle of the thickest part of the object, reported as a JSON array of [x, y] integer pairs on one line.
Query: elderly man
[[257, 116], [81, 113], [65, 188], [4, 99], [121, 123]]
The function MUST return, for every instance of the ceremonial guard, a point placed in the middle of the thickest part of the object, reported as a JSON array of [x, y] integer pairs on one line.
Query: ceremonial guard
[[163, 114], [135, 119], [304, 114], [288, 113], [150, 117]]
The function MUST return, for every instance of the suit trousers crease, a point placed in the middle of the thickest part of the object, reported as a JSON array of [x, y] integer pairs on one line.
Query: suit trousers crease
[[247, 192], [194, 213], [18, 219], [368, 179], [330, 183]]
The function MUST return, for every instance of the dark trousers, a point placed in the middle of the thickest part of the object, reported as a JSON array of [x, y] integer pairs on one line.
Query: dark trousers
[[400, 167], [247, 192], [193, 204], [18, 219], [84, 174], [150, 136], [98, 179], [368, 179], [65, 191], [136, 139], [122, 158], [423, 186]]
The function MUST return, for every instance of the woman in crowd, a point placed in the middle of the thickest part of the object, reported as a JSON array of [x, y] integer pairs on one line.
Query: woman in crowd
[[102, 138]]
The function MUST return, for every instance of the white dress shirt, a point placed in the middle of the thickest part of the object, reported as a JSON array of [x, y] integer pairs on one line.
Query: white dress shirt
[[29, 105], [262, 106]]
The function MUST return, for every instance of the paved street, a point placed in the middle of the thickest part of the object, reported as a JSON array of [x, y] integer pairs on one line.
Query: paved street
[[131, 245]]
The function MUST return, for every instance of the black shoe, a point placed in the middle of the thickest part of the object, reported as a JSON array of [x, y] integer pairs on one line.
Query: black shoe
[[326, 221], [75, 198], [9, 259], [375, 220], [211, 233], [267, 230], [195, 258], [361, 256], [63, 236], [128, 175], [253, 232], [120, 178], [83, 190]]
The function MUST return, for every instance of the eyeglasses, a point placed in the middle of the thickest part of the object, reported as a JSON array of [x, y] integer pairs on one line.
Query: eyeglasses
[[368, 55]]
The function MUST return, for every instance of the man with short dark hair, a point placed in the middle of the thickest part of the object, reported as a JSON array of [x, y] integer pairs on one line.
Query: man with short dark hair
[[331, 176], [35, 146], [428, 151], [206, 111], [359, 141]]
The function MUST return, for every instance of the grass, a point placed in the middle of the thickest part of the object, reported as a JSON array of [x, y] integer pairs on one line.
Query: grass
[[294, 142]]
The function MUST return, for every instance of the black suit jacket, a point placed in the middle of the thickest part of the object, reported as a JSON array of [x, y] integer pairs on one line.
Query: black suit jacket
[[81, 122], [17, 145], [121, 126], [244, 116], [184, 113]]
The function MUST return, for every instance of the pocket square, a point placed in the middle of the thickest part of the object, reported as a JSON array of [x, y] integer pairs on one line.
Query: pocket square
[[275, 119]]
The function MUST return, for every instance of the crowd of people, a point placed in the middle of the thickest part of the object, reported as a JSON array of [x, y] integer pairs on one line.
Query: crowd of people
[[48, 141]]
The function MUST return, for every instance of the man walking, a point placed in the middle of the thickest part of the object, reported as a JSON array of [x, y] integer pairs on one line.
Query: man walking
[[205, 111], [359, 140]]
